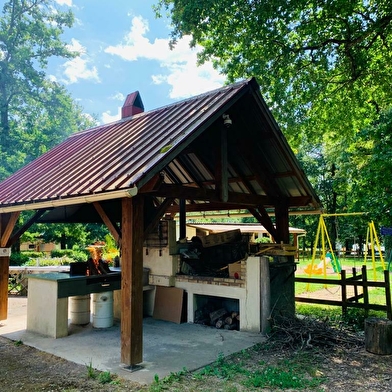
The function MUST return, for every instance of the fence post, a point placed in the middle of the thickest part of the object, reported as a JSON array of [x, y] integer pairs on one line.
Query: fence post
[[355, 286], [365, 290], [344, 292], [388, 294]]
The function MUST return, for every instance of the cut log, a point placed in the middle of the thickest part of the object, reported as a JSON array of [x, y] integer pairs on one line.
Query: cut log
[[378, 336], [228, 320], [217, 314], [219, 324]]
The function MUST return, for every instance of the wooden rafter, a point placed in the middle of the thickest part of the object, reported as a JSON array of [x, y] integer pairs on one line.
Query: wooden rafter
[[15, 237], [160, 211], [112, 226], [190, 193], [7, 226], [263, 217]]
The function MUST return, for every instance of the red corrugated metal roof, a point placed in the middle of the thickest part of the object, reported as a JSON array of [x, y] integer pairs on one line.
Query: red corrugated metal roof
[[129, 152]]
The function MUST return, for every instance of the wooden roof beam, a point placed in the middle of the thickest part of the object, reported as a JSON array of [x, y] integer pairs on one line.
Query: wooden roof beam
[[190, 193]]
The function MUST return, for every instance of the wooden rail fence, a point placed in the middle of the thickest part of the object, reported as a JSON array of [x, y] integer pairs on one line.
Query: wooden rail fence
[[355, 281]]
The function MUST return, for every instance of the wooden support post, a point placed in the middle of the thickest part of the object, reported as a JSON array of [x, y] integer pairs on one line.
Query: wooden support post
[[132, 281], [355, 286], [182, 219], [224, 185], [265, 296], [343, 286], [388, 294], [7, 224], [282, 222], [365, 290], [4, 271]]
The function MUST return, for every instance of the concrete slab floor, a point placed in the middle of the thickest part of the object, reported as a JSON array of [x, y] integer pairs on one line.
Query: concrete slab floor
[[167, 347]]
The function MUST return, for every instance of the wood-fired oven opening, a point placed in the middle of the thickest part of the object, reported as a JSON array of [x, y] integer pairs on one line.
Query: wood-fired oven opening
[[217, 312]]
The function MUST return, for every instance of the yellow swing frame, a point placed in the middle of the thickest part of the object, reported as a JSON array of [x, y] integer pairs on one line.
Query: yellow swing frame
[[372, 233], [325, 238]]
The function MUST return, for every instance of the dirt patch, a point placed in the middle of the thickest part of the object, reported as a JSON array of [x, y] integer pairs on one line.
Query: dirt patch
[[341, 368], [23, 368]]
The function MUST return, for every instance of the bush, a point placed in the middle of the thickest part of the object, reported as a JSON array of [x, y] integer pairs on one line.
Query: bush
[[18, 259], [75, 255], [33, 253], [262, 240], [49, 262], [61, 253], [23, 258]]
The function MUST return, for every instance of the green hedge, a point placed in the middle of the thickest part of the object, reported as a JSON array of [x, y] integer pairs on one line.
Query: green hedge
[[19, 259], [57, 257], [76, 255]]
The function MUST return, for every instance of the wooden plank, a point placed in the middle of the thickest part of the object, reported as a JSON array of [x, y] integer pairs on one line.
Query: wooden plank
[[132, 281], [224, 237], [338, 282], [168, 304], [340, 303]]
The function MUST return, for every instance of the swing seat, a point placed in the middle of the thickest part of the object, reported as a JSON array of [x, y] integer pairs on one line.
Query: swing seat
[[313, 270]]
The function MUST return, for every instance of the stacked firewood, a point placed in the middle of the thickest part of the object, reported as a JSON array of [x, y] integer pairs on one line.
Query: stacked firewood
[[219, 318]]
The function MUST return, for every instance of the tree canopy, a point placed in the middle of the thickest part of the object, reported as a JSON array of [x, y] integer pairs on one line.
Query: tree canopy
[[313, 60], [35, 112], [324, 70]]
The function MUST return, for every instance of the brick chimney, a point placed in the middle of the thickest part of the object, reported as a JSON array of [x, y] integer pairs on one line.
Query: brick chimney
[[133, 105]]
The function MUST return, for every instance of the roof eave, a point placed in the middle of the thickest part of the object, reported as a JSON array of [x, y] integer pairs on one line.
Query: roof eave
[[61, 202]]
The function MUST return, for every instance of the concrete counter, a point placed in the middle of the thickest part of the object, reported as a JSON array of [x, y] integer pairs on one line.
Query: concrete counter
[[47, 301]]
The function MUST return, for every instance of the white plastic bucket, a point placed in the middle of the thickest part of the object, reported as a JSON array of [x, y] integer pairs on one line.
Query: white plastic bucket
[[79, 307], [103, 309]]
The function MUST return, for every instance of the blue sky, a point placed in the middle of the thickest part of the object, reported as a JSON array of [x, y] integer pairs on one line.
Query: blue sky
[[124, 48]]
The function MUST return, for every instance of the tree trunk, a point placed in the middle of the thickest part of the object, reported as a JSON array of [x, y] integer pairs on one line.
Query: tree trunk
[[378, 336], [63, 241]]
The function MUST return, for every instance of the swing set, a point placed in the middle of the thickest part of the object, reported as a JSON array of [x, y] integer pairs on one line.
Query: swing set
[[328, 254]]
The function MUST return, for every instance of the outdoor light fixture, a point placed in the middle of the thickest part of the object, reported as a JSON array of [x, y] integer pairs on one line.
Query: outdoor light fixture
[[227, 121]]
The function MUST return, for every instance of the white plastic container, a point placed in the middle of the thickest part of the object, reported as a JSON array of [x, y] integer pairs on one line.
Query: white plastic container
[[103, 309], [79, 307]]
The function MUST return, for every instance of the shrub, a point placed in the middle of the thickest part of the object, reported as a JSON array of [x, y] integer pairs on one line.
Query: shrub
[[61, 253], [23, 258], [74, 255], [18, 259], [49, 262]]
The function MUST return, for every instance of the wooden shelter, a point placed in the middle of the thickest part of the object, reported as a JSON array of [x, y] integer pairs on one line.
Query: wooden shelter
[[217, 151]]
